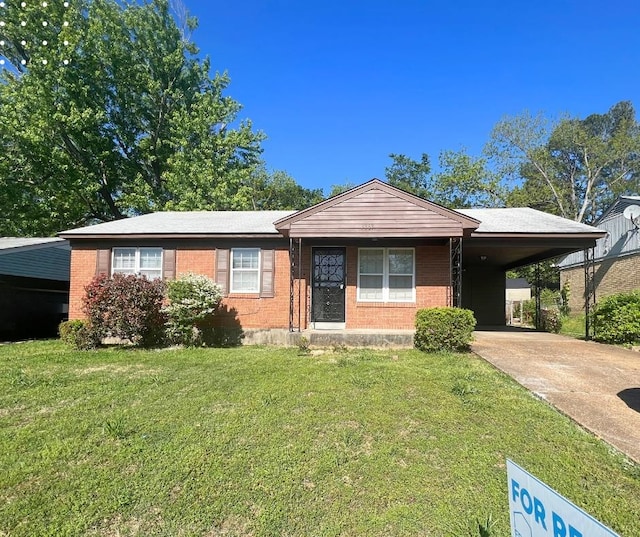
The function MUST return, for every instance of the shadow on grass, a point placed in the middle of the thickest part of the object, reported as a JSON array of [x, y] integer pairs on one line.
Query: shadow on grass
[[631, 397]]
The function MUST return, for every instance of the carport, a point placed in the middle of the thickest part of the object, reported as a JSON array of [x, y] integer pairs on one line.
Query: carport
[[508, 239]]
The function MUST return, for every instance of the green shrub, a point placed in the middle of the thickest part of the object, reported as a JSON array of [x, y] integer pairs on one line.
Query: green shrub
[[444, 329], [77, 334], [126, 307], [192, 303], [565, 295], [550, 300], [616, 319]]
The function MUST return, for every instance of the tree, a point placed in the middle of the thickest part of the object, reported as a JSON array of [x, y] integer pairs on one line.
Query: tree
[[410, 175], [122, 119], [340, 188], [461, 181], [278, 190], [465, 181], [574, 168]]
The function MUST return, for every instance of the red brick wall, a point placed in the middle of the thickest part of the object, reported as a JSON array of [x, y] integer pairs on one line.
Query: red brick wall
[[83, 269], [196, 261], [251, 311], [255, 312], [432, 286]]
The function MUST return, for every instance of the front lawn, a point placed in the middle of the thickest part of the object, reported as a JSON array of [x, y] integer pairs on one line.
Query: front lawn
[[265, 442]]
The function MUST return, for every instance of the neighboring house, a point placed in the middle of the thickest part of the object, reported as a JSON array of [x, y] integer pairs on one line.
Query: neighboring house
[[517, 290], [616, 257], [365, 259], [34, 286]]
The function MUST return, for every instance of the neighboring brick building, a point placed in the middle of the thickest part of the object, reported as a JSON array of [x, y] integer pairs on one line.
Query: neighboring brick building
[[616, 257], [365, 259]]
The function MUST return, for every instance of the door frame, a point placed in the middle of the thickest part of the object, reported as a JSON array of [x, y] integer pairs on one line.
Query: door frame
[[328, 325]]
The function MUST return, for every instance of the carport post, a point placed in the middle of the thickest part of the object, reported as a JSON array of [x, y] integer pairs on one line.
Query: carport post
[[455, 272], [538, 304], [589, 291]]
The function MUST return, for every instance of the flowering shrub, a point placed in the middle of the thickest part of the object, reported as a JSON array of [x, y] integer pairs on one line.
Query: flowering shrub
[[192, 302], [126, 307]]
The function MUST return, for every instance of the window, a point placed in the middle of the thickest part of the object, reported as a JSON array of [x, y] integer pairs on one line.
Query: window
[[142, 261], [386, 275], [245, 270]]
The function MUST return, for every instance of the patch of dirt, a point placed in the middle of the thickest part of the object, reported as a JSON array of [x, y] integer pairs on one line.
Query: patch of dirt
[[233, 526], [135, 370]]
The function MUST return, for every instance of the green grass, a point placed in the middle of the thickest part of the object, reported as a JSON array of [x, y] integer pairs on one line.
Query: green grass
[[256, 441], [573, 325]]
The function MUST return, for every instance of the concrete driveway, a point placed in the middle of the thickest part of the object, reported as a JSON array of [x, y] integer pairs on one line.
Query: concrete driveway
[[596, 385]]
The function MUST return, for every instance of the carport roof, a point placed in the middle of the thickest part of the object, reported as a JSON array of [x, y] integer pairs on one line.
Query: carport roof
[[524, 220], [513, 237]]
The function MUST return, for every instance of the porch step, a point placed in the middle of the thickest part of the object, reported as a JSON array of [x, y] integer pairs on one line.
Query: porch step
[[331, 338], [360, 338]]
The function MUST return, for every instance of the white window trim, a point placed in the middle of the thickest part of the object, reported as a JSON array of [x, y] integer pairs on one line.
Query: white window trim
[[385, 276], [137, 270], [232, 270]]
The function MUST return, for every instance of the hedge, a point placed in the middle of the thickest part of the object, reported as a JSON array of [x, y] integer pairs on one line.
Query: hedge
[[444, 329]]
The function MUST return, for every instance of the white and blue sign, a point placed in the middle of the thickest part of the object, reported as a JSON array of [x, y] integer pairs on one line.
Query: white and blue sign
[[539, 511]]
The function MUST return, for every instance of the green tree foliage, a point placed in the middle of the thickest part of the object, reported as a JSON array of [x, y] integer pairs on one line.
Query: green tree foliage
[[465, 181], [575, 167], [461, 181], [278, 190], [410, 175], [123, 118], [340, 188], [546, 272]]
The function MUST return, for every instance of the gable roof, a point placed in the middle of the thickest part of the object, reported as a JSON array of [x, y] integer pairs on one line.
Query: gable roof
[[184, 224], [618, 207], [378, 210], [622, 238]]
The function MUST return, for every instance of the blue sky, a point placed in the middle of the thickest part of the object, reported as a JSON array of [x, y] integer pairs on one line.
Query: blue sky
[[338, 85]]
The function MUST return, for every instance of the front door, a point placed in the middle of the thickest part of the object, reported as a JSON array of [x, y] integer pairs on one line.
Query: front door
[[328, 291]]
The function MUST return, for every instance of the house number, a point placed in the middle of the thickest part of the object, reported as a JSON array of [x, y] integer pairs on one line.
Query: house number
[[367, 227]]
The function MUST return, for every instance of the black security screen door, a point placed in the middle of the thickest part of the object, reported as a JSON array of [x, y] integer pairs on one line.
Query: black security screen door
[[327, 299]]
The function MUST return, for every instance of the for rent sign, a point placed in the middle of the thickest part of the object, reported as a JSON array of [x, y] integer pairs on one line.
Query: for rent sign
[[539, 511]]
